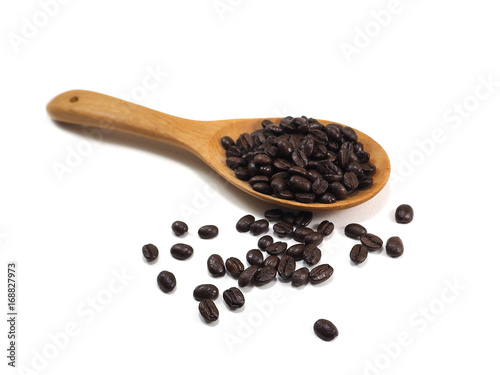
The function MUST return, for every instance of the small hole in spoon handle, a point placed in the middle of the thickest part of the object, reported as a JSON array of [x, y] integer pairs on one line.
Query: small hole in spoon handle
[[74, 99]]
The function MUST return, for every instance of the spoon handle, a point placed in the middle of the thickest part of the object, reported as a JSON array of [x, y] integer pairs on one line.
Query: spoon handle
[[98, 110]]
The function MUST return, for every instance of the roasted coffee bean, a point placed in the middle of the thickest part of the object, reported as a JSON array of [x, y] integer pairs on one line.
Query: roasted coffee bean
[[349, 133], [300, 158], [234, 298], [255, 257], [368, 169], [325, 228], [242, 173], [286, 194], [297, 171], [354, 231], [295, 251], [325, 330], [259, 227], [313, 175], [327, 198], [263, 187], [215, 265], [300, 277], [301, 232], [276, 248], [233, 151], [246, 277], [371, 241], [355, 168], [281, 164], [304, 197], [234, 266], [181, 251], [166, 281], [179, 228], [264, 276], [150, 252], [234, 162], [303, 218], [404, 214], [262, 159], [311, 254], [350, 181], [208, 310], [339, 191], [286, 266], [299, 184], [278, 185], [258, 179], [394, 247], [365, 182], [205, 291], [226, 142], [313, 238], [320, 273], [271, 261], [208, 231], [264, 242], [358, 253], [283, 229], [289, 217], [243, 225], [319, 186]]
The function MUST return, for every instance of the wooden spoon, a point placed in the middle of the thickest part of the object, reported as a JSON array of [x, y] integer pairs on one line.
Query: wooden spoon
[[202, 138]]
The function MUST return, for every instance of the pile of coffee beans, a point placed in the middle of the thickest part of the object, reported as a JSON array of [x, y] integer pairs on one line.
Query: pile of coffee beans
[[301, 159]]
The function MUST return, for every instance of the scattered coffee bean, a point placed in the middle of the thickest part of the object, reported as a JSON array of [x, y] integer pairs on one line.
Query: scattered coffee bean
[[325, 330], [179, 228], [259, 227], [358, 253], [271, 261], [264, 242], [181, 251], [274, 214], [208, 231], [243, 225], [166, 281], [150, 252], [311, 254], [246, 277], [300, 277], [354, 231], [277, 248], [313, 238], [255, 257], [300, 233], [325, 228], [215, 265], [234, 298], [264, 276], [295, 251], [394, 247], [283, 229], [371, 241], [234, 266], [286, 266], [303, 218], [208, 310], [205, 291], [320, 273], [404, 214]]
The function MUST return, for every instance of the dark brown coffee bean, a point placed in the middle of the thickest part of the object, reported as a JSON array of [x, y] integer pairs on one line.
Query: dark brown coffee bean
[[394, 247], [320, 273], [181, 251], [264, 242], [205, 291], [234, 298], [166, 281], [300, 157], [338, 190], [368, 169], [371, 241], [262, 159], [246, 277], [325, 330], [277, 248], [150, 252], [286, 194], [325, 228], [234, 162], [313, 238], [278, 185], [358, 253], [233, 151], [365, 182], [283, 229], [286, 266], [281, 164], [271, 261], [258, 179], [242, 173], [255, 257], [296, 251], [208, 231], [300, 277], [299, 184], [264, 276], [354, 230], [304, 197], [234, 266], [327, 198], [350, 181], [243, 225], [215, 265], [226, 142], [259, 227], [303, 218], [301, 233], [404, 214], [208, 310], [319, 186], [311, 254], [263, 187], [179, 228], [349, 133]]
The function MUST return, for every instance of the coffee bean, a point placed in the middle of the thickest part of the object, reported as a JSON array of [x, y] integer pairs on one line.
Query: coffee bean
[[278, 185], [371, 241], [208, 310], [358, 253], [234, 266], [301, 233], [350, 181], [215, 265], [296, 251], [314, 238], [181, 251], [338, 190], [208, 232], [286, 266], [259, 179], [234, 162], [263, 187], [299, 184], [271, 261], [255, 257], [226, 142], [325, 228], [262, 159], [277, 248], [166, 281], [243, 225], [311, 254], [303, 218], [325, 330], [354, 231], [205, 291], [264, 242], [304, 197], [246, 277], [283, 229], [404, 214], [300, 277], [394, 247], [150, 252], [234, 298], [259, 227], [264, 276], [327, 198], [320, 273], [242, 173], [179, 228]]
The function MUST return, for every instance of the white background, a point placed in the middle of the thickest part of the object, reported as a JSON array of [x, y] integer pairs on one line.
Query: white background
[[417, 84]]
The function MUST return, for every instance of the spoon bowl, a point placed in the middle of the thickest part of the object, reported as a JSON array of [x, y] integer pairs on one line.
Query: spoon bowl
[[201, 138]]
